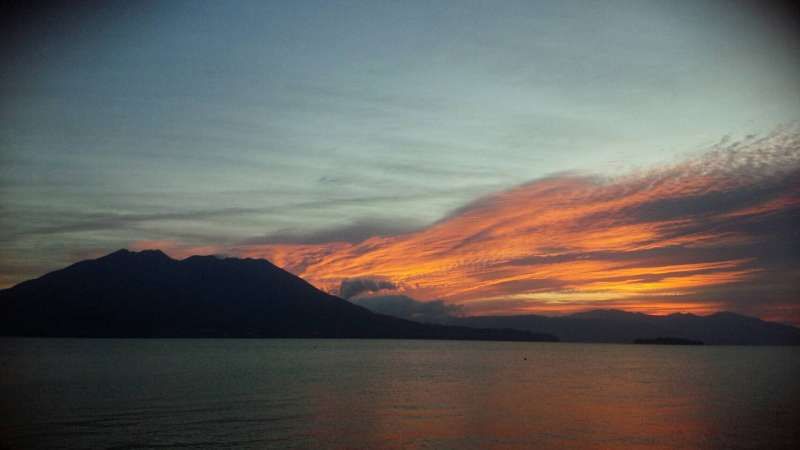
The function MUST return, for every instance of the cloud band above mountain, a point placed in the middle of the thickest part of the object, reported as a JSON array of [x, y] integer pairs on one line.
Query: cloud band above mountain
[[718, 231]]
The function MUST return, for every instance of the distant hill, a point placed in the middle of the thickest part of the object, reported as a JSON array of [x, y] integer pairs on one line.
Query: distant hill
[[148, 294], [667, 341], [625, 327]]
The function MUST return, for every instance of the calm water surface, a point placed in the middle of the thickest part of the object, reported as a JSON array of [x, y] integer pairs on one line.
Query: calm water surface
[[356, 394]]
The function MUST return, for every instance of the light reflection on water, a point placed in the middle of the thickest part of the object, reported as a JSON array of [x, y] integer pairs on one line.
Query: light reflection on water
[[346, 394]]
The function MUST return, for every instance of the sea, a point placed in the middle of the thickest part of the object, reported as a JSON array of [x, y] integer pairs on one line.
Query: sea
[[394, 394]]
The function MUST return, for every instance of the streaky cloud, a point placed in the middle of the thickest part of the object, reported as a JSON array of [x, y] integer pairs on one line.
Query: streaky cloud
[[353, 233], [674, 238]]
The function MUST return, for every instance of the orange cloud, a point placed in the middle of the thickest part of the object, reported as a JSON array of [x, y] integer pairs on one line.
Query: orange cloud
[[648, 241]]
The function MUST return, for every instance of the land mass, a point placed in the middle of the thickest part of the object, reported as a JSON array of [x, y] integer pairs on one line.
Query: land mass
[[667, 341], [148, 294], [615, 326]]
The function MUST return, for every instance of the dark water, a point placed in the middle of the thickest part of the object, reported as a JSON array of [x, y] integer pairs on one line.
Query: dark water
[[350, 394]]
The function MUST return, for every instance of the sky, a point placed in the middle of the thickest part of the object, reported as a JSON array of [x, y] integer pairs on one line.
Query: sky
[[498, 157]]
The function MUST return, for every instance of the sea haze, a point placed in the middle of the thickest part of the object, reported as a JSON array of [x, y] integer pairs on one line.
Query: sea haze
[[304, 393]]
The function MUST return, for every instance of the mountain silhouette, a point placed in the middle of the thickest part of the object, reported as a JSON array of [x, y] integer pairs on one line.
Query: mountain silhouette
[[149, 294], [609, 325]]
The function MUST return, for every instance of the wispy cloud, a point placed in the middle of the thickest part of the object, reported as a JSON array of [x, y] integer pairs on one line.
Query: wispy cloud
[[671, 239], [353, 232]]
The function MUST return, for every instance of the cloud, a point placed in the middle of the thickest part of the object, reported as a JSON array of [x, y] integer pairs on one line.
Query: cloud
[[67, 221], [353, 287], [718, 219], [353, 232], [689, 236], [110, 221], [434, 311]]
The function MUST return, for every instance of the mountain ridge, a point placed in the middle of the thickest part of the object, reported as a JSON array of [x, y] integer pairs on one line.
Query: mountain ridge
[[601, 325], [149, 294], [619, 326]]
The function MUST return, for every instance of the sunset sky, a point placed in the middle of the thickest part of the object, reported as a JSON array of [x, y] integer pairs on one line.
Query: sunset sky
[[505, 157]]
